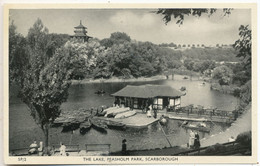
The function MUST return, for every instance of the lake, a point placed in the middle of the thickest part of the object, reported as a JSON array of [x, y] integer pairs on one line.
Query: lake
[[23, 130]]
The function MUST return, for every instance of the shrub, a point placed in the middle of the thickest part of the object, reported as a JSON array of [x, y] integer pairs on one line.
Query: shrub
[[244, 138], [215, 148]]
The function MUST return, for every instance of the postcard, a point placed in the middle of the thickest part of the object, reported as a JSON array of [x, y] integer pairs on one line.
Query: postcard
[[130, 83]]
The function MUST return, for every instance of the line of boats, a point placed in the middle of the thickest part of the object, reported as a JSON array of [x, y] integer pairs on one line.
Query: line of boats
[[99, 119]]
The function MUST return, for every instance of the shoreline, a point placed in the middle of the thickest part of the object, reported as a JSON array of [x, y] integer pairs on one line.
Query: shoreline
[[139, 79], [115, 80]]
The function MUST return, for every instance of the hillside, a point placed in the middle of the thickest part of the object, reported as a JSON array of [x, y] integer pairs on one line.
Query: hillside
[[216, 54]]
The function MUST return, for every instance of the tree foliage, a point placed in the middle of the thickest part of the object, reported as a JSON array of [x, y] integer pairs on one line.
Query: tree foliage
[[179, 14], [223, 74], [243, 45], [17, 54], [45, 73]]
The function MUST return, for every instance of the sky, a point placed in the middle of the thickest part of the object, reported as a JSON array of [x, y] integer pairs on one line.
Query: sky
[[139, 24]]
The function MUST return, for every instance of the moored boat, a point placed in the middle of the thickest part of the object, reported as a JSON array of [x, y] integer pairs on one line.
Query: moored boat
[[99, 92], [197, 127], [111, 109], [183, 88], [70, 126], [114, 112], [116, 125], [120, 110], [99, 125], [125, 114], [85, 127]]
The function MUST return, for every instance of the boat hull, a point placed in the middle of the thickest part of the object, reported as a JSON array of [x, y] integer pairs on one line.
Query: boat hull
[[125, 114], [99, 126], [70, 127], [116, 125], [202, 129], [85, 127]]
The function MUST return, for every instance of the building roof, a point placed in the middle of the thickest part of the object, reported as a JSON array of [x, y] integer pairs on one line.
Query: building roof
[[148, 91], [80, 26]]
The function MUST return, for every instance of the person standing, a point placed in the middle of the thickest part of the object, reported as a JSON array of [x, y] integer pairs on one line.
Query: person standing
[[124, 147], [149, 114], [155, 113], [191, 140], [62, 150], [197, 141]]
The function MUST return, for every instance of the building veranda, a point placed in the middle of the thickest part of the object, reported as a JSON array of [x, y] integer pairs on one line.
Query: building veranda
[[143, 96]]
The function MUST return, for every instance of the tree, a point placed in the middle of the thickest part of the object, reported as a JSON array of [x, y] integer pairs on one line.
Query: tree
[[180, 14], [188, 63], [45, 81], [243, 46], [86, 59], [17, 54], [223, 74]]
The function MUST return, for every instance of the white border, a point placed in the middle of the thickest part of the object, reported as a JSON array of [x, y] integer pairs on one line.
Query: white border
[[112, 3]]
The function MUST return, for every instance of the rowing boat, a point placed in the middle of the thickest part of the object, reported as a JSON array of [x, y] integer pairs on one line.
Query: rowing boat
[[99, 125], [70, 126], [116, 125], [114, 112], [196, 127], [85, 127], [125, 114]]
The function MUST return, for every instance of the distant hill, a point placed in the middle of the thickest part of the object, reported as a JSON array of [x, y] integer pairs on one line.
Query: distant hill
[[216, 54]]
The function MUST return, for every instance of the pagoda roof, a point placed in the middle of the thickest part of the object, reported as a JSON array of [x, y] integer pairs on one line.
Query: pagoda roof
[[80, 26], [148, 91]]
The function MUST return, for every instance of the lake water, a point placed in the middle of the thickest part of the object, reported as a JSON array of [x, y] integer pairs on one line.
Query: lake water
[[23, 130]]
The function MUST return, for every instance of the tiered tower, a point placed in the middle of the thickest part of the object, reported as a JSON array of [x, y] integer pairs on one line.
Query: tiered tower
[[80, 33]]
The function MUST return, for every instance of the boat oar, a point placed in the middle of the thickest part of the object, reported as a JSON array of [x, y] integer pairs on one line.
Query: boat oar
[[183, 123], [165, 134]]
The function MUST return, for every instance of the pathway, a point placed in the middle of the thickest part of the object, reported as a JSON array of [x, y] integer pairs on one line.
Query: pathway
[[241, 125]]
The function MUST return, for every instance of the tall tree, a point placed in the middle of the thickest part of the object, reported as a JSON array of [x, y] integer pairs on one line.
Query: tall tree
[[45, 81]]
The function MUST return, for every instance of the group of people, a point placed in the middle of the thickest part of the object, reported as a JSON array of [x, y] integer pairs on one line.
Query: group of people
[[194, 140], [35, 149]]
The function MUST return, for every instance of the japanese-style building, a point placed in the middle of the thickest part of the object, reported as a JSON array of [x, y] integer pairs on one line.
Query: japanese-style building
[[139, 97], [80, 33]]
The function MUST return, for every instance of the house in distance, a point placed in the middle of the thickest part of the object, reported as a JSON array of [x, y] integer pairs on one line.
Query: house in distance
[[80, 33], [140, 97]]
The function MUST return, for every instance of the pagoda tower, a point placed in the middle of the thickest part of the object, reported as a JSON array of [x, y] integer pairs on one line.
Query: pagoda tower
[[80, 33]]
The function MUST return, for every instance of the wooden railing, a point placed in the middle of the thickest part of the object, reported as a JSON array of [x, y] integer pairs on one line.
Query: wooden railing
[[201, 111]]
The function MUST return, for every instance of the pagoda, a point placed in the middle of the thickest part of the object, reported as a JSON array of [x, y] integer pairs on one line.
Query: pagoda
[[80, 33]]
